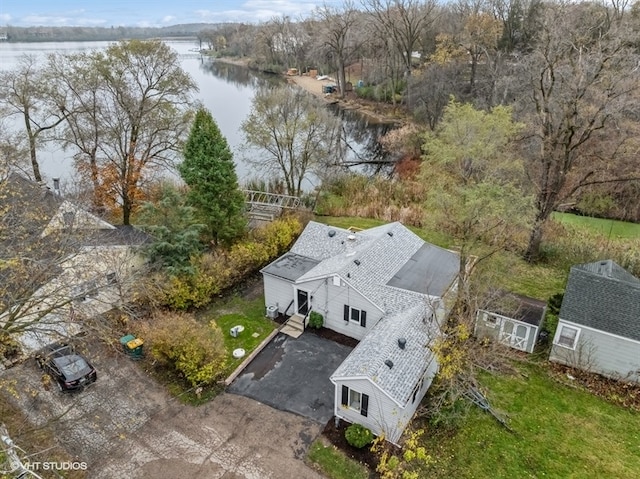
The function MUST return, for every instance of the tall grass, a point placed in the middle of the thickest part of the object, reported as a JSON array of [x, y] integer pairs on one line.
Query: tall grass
[[568, 243], [379, 198]]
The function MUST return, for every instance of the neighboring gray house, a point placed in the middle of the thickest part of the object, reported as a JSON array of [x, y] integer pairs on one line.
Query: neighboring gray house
[[384, 286], [514, 320], [599, 321]]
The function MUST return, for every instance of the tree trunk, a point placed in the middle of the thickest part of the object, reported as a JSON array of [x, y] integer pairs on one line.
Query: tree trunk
[[126, 211], [535, 240], [32, 147], [342, 78]]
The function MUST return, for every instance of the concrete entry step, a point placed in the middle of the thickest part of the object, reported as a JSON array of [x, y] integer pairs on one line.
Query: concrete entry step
[[294, 326], [291, 331]]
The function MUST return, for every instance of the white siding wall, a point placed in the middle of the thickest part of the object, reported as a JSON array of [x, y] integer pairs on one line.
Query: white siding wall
[[278, 292], [600, 352], [384, 415], [330, 299]]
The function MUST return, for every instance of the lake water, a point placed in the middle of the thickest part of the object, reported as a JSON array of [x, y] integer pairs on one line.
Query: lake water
[[225, 90]]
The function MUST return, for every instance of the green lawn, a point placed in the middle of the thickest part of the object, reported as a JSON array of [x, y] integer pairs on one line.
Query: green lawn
[[249, 314], [334, 464], [559, 432], [608, 228]]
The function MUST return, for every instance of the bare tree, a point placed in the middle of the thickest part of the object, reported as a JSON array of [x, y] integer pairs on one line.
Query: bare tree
[[24, 92], [402, 22], [580, 84], [296, 130], [144, 117], [338, 37], [76, 83]]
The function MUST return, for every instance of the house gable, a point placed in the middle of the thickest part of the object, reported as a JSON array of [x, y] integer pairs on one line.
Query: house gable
[[603, 296], [70, 216], [394, 355]]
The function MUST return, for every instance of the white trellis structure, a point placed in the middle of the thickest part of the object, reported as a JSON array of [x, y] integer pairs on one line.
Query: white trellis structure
[[264, 199]]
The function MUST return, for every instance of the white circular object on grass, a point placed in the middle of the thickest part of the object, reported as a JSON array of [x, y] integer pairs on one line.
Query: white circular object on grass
[[238, 353]]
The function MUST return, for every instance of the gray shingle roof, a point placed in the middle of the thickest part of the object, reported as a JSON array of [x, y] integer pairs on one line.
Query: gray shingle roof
[[388, 264], [516, 306], [381, 344], [395, 270], [603, 296]]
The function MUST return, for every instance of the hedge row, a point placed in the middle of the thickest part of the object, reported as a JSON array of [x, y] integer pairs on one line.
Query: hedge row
[[216, 272]]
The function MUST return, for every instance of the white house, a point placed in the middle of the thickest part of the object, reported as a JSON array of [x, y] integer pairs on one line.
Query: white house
[[87, 264], [383, 286], [599, 321]]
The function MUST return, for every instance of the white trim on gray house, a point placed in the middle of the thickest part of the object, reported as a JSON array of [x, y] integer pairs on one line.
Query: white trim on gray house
[[599, 321]]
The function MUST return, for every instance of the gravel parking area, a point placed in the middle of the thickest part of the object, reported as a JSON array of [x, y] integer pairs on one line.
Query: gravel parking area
[[126, 425]]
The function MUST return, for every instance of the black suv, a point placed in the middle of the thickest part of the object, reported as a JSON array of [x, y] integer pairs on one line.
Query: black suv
[[67, 368]]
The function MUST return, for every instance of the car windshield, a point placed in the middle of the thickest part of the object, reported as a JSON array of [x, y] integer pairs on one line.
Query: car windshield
[[72, 367]]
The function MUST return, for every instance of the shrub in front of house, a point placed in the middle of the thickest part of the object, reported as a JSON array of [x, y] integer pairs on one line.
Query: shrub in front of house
[[216, 271], [316, 320], [358, 436]]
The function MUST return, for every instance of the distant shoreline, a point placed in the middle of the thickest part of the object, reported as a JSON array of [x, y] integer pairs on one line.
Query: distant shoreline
[[375, 112]]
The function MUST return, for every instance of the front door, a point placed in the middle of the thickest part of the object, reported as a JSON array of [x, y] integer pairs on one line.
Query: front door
[[303, 302]]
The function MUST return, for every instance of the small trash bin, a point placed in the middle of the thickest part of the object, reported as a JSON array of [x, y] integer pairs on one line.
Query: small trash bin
[[132, 346]]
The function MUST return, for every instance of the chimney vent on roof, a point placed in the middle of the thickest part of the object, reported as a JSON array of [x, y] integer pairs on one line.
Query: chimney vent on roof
[[331, 233], [402, 342], [390, 233], [357, 262], [389, 363], [351, 237]]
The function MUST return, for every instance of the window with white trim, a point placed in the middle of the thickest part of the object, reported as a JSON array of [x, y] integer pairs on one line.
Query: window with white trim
[[355, 315], [355, 400], [490, 319], [568, 336]]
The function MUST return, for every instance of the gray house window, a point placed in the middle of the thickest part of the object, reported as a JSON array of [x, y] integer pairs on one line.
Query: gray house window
[[568, 336], [355, 400], [355, 315]]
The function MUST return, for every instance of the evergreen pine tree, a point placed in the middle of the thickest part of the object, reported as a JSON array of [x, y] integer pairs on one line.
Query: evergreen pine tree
[[209, 170]]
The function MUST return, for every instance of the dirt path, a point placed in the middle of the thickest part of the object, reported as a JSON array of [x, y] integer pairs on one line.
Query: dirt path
[[231, 437], [310, 84]]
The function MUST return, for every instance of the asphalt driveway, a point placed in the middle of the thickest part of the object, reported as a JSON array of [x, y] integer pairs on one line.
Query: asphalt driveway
[[293, 375]]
